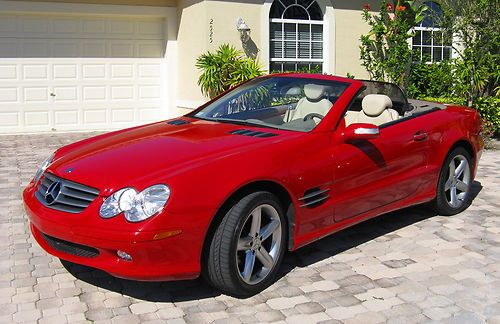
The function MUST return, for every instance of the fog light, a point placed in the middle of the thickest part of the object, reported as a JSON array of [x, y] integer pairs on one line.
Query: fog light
[[124, 255]]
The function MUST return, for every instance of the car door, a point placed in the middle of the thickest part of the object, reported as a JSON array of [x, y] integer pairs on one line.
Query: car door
[[369, 174]]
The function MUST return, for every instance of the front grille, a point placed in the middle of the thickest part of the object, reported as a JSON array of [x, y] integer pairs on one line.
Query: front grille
[[71, 248], [64, 195]]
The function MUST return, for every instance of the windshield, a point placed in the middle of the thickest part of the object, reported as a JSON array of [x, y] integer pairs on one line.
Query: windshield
[[279, 102]]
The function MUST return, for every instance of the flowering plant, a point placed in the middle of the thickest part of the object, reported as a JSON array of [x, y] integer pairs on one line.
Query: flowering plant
[[384, 51]]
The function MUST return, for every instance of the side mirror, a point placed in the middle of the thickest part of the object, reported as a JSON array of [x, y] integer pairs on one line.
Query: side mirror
[[360, 132]]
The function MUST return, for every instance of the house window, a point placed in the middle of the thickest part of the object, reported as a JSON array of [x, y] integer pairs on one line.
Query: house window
[[429, 43], [296, 36]]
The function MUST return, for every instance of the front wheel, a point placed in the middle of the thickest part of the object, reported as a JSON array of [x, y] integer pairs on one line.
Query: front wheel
[[454, 185], [248, 246]]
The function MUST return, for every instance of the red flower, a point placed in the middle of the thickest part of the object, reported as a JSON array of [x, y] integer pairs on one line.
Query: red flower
[[367, 6], [400, 8], [390, 7]]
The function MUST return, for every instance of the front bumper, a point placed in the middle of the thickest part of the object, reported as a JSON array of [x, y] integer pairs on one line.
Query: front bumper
[[153, 258]]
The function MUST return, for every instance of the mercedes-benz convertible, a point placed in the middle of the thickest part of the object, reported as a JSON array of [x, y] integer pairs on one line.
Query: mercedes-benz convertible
[[271, 165]]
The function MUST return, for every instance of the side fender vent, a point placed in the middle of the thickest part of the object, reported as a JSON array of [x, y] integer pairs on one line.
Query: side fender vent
[[247, 132], [178, 122], [314, 197]]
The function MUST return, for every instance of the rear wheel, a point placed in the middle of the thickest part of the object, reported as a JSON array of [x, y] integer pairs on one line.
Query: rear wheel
[[248, 246], [454, 186]]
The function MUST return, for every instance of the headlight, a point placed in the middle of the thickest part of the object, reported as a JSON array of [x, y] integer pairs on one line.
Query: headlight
[[136, 206], [41, 169]]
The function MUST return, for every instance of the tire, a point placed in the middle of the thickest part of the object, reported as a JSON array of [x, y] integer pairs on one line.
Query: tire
[[239, 262], [454, 186]]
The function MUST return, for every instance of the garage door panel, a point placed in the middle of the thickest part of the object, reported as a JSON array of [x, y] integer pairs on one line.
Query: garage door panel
[[65, 49], [40, 48], [150, 49], [93, 71], [94, 93], [38, 119], [34, 48], [149, 92], [93, 117], [8, 48], [35, 25], [65, 25], [122, 93], [65, 94], [8, 24], [122, 115], [64, 71], [8, 72], [122, 71], [10, 119], [148, 71], [68, 118], [36, 94], [8, 95], [94, 48], [149, 114], [35, 72], [121, 48]]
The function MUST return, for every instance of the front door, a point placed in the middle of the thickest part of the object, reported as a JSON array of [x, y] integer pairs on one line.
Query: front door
[[373, 173]]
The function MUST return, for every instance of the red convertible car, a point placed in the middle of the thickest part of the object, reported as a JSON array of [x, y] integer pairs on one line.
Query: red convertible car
[[271, 165]]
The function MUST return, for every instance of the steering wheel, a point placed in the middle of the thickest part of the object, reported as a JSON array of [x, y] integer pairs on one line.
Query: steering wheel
[[313, 115]]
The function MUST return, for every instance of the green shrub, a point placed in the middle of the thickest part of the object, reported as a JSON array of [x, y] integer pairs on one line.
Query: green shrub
[[225, 68], [384, 50], [489, 109], [445, 100], [430, 80]]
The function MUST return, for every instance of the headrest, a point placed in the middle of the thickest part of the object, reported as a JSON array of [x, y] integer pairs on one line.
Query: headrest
[[294, 91], [314, 92], [374, 104]]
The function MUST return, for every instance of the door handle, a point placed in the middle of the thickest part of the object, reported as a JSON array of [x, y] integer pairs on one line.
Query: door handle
[[420, 136]]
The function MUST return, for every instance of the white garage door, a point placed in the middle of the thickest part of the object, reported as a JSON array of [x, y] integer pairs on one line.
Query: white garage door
[[80, 72]]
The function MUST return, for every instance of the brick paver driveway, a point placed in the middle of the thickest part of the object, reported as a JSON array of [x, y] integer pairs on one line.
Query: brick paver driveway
[[408, 266]]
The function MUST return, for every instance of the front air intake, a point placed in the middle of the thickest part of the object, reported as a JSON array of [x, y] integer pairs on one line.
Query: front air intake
[[247, 132], [178, 122], [70, 248]]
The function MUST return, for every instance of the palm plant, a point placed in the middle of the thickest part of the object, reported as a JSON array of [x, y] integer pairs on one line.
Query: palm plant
[[224, 69]]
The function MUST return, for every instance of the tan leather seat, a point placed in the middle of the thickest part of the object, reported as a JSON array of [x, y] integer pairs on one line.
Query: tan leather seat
[[313, 102], [377, 110]]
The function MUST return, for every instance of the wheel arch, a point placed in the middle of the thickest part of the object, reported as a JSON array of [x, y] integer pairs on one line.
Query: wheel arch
[[468, 147], [261, 185]]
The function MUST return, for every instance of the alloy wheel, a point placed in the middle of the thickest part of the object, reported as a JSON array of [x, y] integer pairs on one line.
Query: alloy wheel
[[458, 181], [259, 244]]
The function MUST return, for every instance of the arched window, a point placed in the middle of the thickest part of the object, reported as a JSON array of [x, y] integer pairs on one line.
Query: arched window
[[296, 35], [429, 43]]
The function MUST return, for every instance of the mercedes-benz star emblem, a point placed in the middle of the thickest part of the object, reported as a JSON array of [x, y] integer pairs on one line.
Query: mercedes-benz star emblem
[[52, 192]]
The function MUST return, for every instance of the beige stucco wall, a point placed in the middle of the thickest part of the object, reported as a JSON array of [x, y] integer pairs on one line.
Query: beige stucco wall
[[225, 14], [191, 42], [157, 3], [204, 26], [349, 26]]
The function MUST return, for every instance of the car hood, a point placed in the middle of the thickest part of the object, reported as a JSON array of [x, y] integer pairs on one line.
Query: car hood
[[140, 155]]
